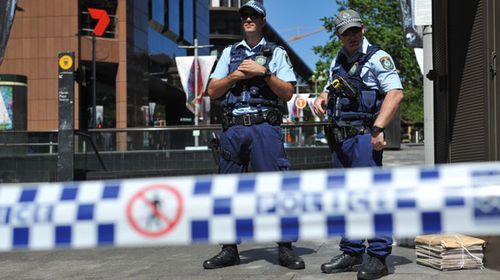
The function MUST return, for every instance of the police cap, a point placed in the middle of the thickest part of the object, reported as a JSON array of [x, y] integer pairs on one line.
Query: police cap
[[254, 5], [347, 19]]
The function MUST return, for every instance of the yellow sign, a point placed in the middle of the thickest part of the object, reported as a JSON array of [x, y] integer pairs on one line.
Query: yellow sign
[[65, 62]]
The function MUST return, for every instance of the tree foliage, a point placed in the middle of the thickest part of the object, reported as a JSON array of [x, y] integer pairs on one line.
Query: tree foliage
[[383, 27]]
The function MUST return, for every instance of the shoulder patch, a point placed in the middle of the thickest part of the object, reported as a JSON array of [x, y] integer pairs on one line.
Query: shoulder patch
[[387, 63]]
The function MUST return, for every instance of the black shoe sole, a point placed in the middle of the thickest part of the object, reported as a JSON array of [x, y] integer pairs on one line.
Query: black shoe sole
[[300, 266], [371, 277], [349, 268], [220, 265]]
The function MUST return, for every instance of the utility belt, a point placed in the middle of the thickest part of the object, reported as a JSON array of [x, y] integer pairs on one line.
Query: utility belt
[[273, 117], [338, 134]]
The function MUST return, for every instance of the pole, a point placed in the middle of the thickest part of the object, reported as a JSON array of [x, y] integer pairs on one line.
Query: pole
[[196, 104], [428, 99], [66, 105], [196, 133], [301, 118], [94, 83]]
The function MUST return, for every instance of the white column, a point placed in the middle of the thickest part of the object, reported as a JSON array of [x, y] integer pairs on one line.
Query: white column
[[428, 99]]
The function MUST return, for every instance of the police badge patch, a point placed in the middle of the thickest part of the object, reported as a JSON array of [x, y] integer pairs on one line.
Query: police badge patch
[[261, 60], [386, 63]]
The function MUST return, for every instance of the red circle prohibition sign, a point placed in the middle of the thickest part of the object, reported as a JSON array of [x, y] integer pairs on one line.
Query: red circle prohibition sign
[[156, 210]]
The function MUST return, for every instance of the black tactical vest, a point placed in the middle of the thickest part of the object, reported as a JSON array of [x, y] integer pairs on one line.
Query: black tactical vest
[[252, 92], [362, 105]]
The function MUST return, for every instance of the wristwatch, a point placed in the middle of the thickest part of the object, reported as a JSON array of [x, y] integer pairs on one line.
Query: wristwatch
[[268, 73], [376, 130]]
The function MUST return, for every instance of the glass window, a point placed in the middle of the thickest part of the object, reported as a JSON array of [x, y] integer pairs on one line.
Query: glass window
[[173, 16], [188, 21], [157, 10]]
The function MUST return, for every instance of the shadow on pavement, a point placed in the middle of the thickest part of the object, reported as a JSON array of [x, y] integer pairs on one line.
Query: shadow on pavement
[[270, 254], [393, 261]]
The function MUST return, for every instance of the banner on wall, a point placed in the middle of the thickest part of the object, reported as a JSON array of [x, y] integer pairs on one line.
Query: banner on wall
[[186, 68], [6, 108]]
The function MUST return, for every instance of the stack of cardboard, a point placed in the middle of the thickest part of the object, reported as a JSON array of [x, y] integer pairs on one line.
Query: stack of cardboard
[[449, 251]]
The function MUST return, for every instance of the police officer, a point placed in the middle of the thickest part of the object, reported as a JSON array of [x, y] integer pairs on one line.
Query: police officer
[[362, 96], [253, 79]]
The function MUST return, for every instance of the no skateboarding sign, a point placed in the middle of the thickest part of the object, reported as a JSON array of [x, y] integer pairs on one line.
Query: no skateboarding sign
[[155, 210]]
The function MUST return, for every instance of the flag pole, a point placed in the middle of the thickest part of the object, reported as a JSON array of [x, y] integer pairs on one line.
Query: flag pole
[[196, 104]]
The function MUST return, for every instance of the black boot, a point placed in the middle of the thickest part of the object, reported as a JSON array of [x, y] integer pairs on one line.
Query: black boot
[[287, 258], [374, 268], [341, 263], [228, 256]]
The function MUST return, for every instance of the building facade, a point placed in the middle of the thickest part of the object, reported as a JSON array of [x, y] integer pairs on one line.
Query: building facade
[[137, 79]]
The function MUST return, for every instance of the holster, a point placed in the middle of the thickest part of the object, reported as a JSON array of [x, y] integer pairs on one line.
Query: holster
[[335, 135], [218, 151], [214, 144], [330, 138]]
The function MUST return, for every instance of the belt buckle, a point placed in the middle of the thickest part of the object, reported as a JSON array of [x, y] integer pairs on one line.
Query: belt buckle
[[247, 121]]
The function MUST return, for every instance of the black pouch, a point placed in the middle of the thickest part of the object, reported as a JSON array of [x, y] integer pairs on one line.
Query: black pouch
[[332, 136], [274, 117]]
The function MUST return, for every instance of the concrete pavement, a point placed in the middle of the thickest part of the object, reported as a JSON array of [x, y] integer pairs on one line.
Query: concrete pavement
[[176, 263]]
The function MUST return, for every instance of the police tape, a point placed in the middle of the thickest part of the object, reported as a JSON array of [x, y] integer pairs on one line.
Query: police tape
[[260, 207]]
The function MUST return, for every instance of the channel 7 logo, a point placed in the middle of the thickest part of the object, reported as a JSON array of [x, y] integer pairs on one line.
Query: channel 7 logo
[[487, 207]]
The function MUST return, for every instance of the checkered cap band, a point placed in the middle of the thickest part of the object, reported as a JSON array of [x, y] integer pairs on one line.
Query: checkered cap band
[[347, 19], [256, 6]]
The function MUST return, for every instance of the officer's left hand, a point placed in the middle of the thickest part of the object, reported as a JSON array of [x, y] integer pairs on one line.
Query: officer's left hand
[[378, 142], [251, 68]]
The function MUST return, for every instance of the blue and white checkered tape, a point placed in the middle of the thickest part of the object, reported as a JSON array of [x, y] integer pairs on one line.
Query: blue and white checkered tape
[[307, 205]]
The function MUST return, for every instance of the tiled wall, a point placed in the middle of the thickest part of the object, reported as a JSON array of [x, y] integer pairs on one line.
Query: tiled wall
[[39, 33]]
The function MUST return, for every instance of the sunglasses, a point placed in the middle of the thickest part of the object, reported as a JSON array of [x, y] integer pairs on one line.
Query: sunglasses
[[351, 31], [252, 16]]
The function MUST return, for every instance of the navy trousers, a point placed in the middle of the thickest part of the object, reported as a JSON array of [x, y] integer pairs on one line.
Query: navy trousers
[[358, 152], [260, 145]]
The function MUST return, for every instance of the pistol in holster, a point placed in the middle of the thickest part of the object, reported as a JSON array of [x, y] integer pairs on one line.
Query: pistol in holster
[[343, 88]]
